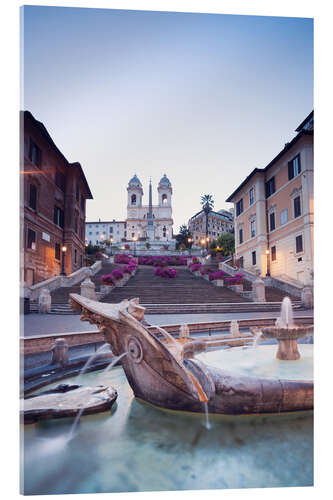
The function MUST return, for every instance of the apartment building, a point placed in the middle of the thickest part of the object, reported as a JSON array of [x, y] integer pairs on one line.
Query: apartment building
[[98, 232], [53, 206], [274, 211], [218, 223]]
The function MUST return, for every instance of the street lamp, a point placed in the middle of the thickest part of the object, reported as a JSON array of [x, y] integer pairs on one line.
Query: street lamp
[[189, 240], [134, 240], [111, 241], [63, 250], [207, 241], [268, 273]]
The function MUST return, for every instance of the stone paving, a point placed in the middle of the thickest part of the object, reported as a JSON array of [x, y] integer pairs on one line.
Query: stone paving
[[45, 324]]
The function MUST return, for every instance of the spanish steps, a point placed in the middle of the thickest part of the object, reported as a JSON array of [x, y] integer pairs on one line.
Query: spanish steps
[[185, 293]]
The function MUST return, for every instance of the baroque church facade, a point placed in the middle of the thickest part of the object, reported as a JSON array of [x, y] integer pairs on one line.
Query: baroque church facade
[[153, 222]]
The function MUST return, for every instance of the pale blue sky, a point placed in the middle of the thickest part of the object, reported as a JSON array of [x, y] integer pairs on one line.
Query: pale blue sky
[[204, 98]]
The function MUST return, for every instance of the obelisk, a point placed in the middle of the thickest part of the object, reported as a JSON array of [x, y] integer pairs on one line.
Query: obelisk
[[150, 227]]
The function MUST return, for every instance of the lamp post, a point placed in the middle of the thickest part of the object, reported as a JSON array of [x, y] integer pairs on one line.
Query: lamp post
[[268, 273], [189, 240], [111, 241], [202, 242], [134, 240], [207, 241], [63, 250]]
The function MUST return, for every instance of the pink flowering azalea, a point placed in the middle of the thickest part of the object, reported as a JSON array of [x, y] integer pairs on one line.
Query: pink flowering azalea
[[117, 274], [107, 279]]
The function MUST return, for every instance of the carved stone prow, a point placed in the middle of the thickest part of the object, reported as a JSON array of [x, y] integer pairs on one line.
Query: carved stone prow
[[153, 366]]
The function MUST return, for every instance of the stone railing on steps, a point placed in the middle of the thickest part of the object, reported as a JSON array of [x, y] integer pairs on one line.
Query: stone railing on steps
[[285, 285], [34, 291]]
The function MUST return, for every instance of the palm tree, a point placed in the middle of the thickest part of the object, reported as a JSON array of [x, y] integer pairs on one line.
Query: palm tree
[[207, 204]]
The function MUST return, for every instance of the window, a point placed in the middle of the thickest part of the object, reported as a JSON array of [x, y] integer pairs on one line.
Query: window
[[33, 197], [35, 154], [254, 258], [283, 216], [239, 207], [270, 187], [133, 199], [251, 196], [164, 199], [240, 236], [82, 202], [297, 206], [299, 243], [253, 228], [77, 192], [75, 256], [294, 167], [273, 253], [31, 239], [272, 221], [111, 229], [58, 217], [241, 262], [60, 180], [57, 251], [90, 233]]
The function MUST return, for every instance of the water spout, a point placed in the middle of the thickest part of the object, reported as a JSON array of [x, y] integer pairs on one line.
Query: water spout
[[114, 361], [91, 359], [286, 319]]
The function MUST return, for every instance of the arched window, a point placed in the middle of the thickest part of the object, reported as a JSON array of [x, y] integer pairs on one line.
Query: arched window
[[133, 199], [164, 199], [164, 232]]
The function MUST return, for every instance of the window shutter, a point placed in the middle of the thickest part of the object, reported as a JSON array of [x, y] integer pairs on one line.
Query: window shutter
[[290, 170], [299, 164]]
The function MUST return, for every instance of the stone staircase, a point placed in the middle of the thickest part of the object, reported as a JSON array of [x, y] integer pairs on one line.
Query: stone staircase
[[185, 289], [184, 294]]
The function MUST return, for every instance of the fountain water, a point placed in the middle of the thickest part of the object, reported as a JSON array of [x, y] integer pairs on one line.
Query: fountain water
[[84, 369], [114, 361], [91, 359], [286, 319], [207, 422], [286, 333]]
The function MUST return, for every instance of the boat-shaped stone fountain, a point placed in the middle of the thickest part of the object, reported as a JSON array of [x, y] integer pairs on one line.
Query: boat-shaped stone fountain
[[165, 372]]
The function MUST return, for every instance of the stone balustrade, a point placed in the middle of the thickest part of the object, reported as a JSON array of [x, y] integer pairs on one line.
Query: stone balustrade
[[34, 291]]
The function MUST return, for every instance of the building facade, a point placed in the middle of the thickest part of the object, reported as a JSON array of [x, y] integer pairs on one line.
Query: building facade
[[53, 206], [218, 223], [152, 222], [98, 232], [274, 211]]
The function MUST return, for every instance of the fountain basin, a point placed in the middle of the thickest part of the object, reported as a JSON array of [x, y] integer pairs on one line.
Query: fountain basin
[[164, 374], [136, 447], [296, 332], [287, 340]]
